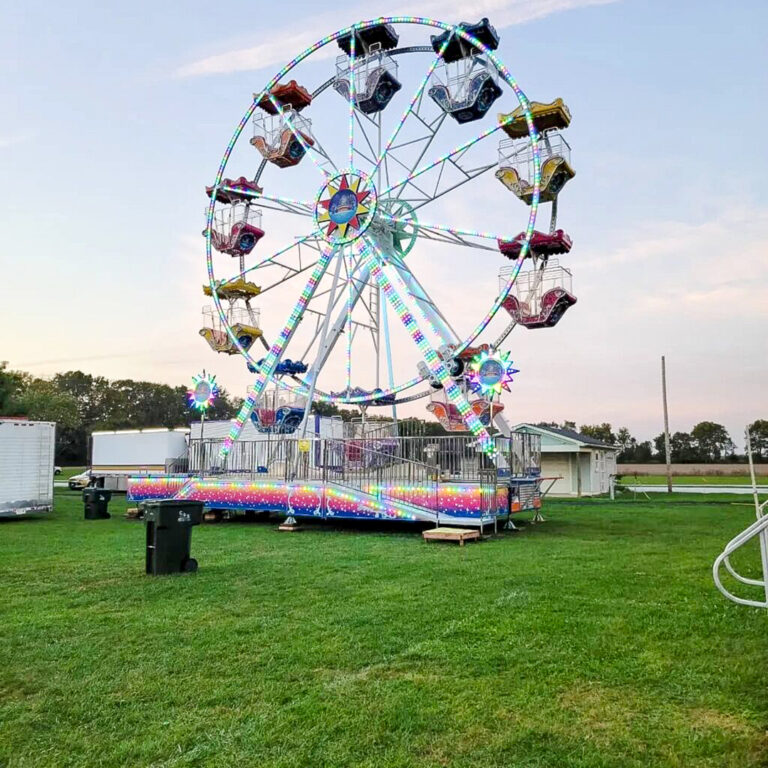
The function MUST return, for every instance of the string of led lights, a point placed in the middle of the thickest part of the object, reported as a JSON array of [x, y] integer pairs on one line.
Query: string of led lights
[[265, 371], [352, 87], [309, 150], [350, 305], [271, 257], [409, 109], [309, 205], [446, 156]]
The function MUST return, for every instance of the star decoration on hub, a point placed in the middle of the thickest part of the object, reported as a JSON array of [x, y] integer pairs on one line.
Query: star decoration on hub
[[344, 207], [490, 373]]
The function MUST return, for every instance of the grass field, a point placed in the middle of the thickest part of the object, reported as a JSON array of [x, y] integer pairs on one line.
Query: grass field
[[594, 639], [692, 480]]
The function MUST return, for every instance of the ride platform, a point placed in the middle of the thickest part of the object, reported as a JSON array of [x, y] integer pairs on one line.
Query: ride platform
[[370, 478], [464, 504]]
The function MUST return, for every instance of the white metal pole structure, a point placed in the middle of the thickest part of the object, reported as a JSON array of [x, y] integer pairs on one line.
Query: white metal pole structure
[[758, 529], [667, 452], [201, 395], [202, 441]]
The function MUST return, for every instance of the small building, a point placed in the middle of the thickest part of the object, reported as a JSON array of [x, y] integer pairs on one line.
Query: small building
[[582, 464]]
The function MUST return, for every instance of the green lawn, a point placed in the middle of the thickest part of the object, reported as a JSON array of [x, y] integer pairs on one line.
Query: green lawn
[[693, 479], [595, 639]]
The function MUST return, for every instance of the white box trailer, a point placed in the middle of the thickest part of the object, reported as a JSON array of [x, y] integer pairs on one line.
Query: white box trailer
[[26, 466], [117, 455]]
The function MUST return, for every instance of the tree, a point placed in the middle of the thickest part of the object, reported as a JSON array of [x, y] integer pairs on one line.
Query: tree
[[602, 432], [643, 452], [626, 444], [41, 401], [683, 448], [758, 433], [12, 384], [712, 440], [569, 425]]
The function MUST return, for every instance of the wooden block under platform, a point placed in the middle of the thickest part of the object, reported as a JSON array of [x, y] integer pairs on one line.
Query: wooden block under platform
[[289, 527], [452, 534], [132, 513]]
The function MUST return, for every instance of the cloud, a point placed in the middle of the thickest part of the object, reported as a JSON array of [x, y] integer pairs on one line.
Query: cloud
[[503, 13], [709, 269], [9, 141]]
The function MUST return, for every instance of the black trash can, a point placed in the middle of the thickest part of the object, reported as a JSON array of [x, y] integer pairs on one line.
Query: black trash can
[[169, 534], [95, 503]]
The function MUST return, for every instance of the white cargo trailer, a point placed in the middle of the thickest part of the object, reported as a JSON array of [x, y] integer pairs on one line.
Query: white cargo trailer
[[26, 466], [117, 455]]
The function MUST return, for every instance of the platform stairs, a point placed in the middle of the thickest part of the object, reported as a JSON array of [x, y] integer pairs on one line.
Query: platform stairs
[[371, 477], [758, 530]]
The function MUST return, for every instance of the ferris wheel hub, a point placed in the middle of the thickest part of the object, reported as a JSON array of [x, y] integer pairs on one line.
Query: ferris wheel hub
[[345, 207]]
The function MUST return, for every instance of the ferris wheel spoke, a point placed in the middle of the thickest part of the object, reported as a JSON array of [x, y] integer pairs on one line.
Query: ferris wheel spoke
[[416, 99], [352, 87], [415, 319], [267, 367], [445, 234], [467, 175], [416, 293], [314, 150], [453, 158], [339, 302], [273, 202], [311, 241], [369, 158]]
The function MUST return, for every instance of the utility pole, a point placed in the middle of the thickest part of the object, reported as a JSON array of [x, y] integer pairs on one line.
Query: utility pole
[[666, 424]]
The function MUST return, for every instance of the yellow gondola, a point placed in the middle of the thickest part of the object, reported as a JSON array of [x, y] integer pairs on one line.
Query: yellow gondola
[[230, 290], [555, 172], [546, 117], [219, 340]]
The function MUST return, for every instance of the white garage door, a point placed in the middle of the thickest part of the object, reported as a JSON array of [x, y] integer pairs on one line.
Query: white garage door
[[554, 465]]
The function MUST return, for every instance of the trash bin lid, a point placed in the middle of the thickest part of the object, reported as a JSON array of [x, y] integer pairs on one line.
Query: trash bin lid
[[173, 511]]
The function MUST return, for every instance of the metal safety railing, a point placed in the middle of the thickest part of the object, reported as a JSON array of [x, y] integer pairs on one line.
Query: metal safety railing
[[450, 458], [381, 474], [758, 530]]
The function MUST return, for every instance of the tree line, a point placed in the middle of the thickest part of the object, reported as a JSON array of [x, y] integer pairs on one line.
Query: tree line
[[706, 442], [80, 403]]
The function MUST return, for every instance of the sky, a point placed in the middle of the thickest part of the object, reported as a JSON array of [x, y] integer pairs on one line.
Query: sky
[[115, 117]]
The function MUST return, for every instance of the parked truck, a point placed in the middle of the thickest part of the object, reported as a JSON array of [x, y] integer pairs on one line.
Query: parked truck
[[117, 455], [26, 466]]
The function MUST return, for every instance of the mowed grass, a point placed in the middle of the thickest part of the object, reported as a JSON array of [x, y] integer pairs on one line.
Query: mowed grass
[[692, 479], [594, 639]]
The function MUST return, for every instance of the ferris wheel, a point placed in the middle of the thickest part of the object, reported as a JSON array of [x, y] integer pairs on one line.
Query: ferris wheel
[[372, 190]]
